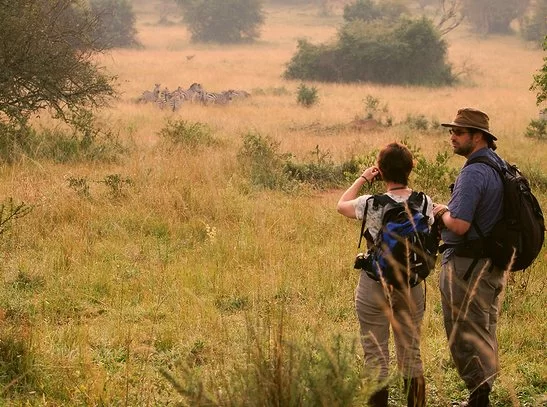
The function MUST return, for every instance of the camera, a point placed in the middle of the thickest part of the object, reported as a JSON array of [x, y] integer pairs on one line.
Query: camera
[[362, 261]]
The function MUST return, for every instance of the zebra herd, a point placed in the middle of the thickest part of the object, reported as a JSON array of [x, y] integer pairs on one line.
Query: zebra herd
[[165, 99]]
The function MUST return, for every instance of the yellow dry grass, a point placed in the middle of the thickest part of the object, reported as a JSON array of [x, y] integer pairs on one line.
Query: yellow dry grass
[[130, 284]]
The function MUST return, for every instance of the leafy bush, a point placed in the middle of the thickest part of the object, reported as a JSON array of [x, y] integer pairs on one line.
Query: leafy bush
[[307, 96], [434, 177], [321, 172], [84, 143], [186, 134], [534, 25], [418, 122], [537, 129], [367, 10], [226, 21], [540, 79], [262, 163], [488, 17], [115, 23], [403, 52], [274, 371]]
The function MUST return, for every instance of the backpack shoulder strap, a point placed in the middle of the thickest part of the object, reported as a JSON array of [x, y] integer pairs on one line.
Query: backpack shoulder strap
[[418, 198], [377, 200], [485, 160]]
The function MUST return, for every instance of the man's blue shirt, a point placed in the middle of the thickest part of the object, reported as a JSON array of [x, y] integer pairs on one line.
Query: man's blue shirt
[[478, 196]]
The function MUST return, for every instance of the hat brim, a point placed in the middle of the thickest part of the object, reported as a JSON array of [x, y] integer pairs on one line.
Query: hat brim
[[453, 124]]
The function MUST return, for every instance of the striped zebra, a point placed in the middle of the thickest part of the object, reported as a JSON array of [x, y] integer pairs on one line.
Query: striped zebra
[[162, 101], [194, 92], [175, 99], [222, 98], [150, 96]]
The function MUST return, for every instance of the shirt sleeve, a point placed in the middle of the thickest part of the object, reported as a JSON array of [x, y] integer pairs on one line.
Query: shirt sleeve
[[468, 190], [359, 205]]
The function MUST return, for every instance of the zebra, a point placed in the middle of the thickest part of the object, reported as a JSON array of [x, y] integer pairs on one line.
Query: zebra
[[194, 92], [175, 99], [150, 96], [163, 98], [222, 98]]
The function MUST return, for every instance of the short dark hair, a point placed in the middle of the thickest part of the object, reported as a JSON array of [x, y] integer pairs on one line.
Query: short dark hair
[[395, 162]]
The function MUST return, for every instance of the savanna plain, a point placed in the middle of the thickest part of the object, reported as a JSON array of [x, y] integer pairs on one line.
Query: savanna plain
[[189, 271]]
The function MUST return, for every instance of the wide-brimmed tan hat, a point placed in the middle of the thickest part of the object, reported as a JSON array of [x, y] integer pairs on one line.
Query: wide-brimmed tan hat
[[471, 118]]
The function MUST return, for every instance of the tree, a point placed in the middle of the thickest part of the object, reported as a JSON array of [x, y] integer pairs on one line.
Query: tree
[[225, 21], [115, 23], [493, 16], [46, 61], [367, 10], [402, 52], [540, 79], [534, 25]]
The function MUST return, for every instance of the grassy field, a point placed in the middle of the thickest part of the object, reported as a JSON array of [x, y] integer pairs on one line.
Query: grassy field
[[166, 275]]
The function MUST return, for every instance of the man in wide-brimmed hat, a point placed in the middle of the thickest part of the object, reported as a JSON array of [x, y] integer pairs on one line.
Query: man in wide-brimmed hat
[[470, 285]]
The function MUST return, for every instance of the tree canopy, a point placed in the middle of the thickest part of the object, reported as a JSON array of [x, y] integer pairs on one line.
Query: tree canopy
[[46, 60], [225, 21], [540, 79]]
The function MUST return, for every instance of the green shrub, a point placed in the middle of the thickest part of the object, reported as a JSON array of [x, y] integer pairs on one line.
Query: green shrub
[[313, 62], [18, 372], [418, 122], [367, 10], [261, 161], [307, 96], [273, 371], [224, 21], [82, 143], [115, 23], [116, 184], [433, 177], [188, 135], [537, 129], [402, 52], [320, 173], [10, 211]]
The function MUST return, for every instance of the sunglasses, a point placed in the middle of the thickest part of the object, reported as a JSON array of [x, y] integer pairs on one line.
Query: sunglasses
[[458, 132]]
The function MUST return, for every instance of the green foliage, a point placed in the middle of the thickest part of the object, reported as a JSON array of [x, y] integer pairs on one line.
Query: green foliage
[[261, 161], [314, 62], [493, 17], [17, 362], [417, 122], [374, 111], [321, 172], [47, 61], [80, 185], [188, 135], [434, 176], [226, 21], [367, 10], [84, 142], [10, 211], [537, 129], [307, 96], [276, 372], [540, 79], [534, 25], [402, 52], [117, 185], [116, 23]]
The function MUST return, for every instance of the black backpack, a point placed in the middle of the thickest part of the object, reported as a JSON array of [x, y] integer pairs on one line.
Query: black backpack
[[405, 250], [517, 238]]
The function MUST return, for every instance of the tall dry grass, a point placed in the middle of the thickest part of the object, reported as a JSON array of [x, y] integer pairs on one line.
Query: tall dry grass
[[103, 290]]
